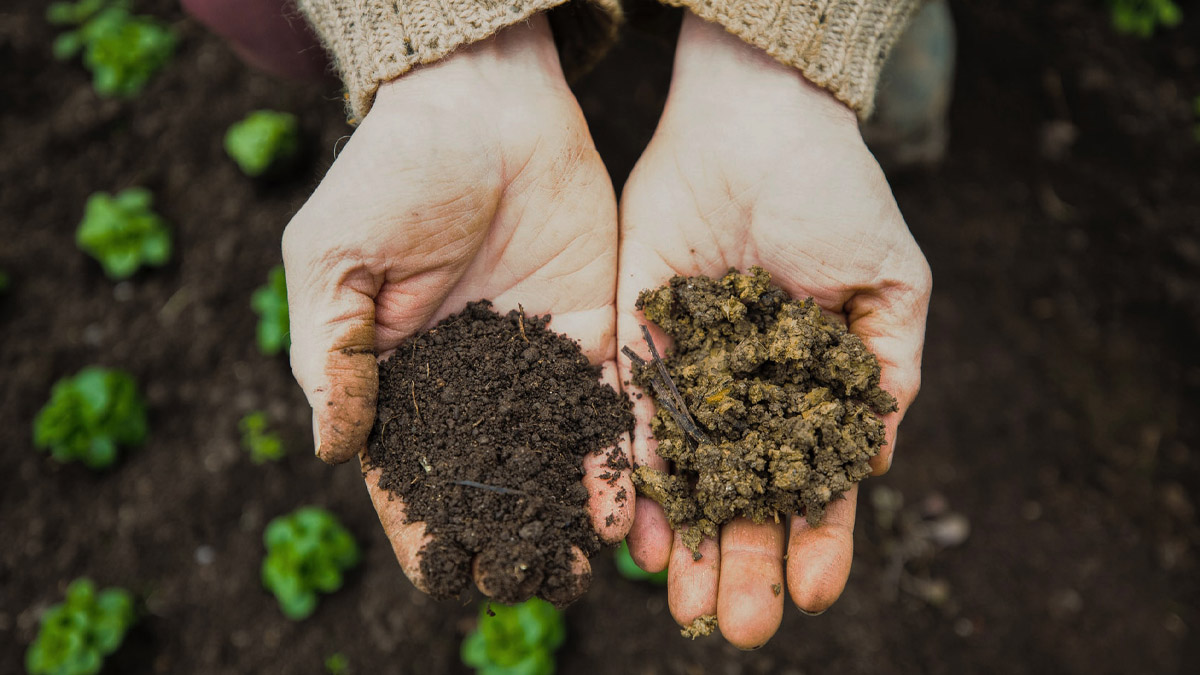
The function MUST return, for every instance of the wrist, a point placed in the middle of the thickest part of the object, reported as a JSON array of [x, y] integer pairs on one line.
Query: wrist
[[516, 61], [718, 71]]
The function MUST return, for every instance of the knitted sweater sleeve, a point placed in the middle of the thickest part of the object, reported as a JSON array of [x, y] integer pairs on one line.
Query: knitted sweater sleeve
[[839, 45], [373, 41]]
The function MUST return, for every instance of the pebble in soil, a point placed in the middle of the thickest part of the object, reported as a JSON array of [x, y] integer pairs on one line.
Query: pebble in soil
[[770, 407], [482, 424]]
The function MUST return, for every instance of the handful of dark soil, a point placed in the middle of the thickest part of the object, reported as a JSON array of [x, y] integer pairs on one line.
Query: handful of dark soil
[[765, 406], [482, 424]]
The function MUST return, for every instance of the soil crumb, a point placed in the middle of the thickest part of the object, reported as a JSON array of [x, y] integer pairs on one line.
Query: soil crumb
[[482, 424], [766, 407], [701, 626]]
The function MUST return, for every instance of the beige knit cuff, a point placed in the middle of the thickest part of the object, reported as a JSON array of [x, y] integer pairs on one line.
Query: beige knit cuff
[[839, 45], [373, 41]]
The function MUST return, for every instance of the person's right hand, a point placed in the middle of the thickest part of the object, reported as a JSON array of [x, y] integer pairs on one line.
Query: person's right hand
[[474, 177]]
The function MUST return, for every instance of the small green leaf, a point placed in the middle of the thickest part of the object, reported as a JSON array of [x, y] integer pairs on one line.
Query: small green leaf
[[89, 415], [264, 141], [270, 303], [123, 233], [301, 559], [76, 635]]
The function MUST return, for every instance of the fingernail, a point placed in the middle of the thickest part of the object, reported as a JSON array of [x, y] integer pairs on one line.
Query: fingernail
[[808, 613], [316, 435]]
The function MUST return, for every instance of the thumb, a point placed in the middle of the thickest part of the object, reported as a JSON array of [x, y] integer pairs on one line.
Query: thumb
[[890, 319], [332, 316]]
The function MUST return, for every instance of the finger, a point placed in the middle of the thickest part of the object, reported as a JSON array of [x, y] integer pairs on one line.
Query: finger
[[408, 539], [610, 490], [750, 590], [819, 558], [891, 322], [333, 354], [691, 583], [650, 535]]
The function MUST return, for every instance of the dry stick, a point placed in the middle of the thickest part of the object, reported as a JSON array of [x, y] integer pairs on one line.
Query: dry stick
[[681, 417], [416, 407], [521, 321]]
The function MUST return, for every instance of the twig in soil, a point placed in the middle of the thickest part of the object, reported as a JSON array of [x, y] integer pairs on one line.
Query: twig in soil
[[492, 488], [521, 321], [665, 390], [413, 389]]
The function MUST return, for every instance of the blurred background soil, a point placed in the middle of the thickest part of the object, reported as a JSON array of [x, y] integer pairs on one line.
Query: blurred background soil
[[1040, 516]]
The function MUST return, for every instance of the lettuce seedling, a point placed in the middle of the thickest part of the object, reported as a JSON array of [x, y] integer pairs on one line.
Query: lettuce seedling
[[1142, 17], [627, 568], [121, 50], [337, 664], [265, 141], [307, 551], [123, 233], [517, 640], [77, 634], [264, 445], [270, 302], [89, 416]]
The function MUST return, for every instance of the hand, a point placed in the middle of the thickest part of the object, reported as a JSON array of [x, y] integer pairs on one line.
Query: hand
[[474, 177], [753, 165]]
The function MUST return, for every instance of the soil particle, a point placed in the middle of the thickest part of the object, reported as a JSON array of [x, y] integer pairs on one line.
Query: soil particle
[[701, 626], [481, 427], [765, 406]]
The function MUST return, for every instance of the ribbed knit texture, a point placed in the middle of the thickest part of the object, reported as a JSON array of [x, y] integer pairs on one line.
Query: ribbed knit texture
[[373, 41], [839, 45]]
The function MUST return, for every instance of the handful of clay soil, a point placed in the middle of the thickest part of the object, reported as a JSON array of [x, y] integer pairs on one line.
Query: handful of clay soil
[[481, 427], [765, 406]]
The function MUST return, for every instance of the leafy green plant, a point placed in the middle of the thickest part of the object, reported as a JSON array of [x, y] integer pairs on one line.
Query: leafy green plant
[[517, 640], [123, 233], [270, 302], [264, 445], [265, 141], [1142, 17], [90, 415], [121, 50], [337, 664], [76, 635], [308, 550], [627, 568]]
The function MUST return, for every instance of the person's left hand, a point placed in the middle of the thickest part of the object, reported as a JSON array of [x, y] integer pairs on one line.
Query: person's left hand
[[753, 165]]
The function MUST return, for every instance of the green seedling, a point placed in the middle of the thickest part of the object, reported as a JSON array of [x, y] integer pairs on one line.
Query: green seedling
[[123, 233], [89, 416], [630, 570], [264, 446], [264, 142], [5, 282], [77, 634], [517, 640], [1142, 17], [308, 551], [337, 664], [121, 50], [270, 302]]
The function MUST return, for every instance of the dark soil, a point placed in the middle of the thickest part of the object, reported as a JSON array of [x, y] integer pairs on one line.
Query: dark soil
[[1057, 411], [762, 394], [481, 429]]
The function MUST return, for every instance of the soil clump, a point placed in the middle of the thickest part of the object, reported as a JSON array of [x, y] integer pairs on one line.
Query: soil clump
[[482, 424], [765, 406]]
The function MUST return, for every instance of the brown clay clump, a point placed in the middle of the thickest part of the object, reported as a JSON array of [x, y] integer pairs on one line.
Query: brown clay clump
[[765, 407], [481, 427]]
